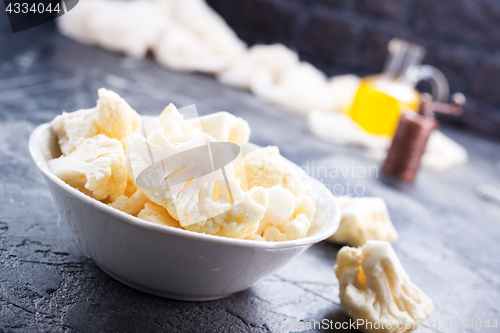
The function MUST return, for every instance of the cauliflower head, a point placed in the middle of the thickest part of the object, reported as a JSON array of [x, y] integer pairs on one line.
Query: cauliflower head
[[363, 218], [96, 164], [211, 202], [266, 167], [287, 217], [112, 117], [375, 288]]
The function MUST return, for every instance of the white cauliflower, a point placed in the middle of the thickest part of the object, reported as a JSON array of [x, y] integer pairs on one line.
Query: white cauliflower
[[266, 167], [131, 205], [290, 211], [176, 129], [222, 126], [225, 127], [229, 224], [96, 164], [131, 188], [255, 237], [281, 207], [157, 214], [287, 217], [186, 185], [363, 218], [375, 288], [112, 117], [116, 119], [70, 127]]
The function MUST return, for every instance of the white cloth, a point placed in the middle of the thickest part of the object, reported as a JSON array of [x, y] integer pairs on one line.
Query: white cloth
[[271, 61], [184, 34], [441, 153]]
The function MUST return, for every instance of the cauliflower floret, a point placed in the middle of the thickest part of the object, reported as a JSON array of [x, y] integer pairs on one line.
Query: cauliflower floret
[[222, 126], [112, 117], [131, 205], [362, 219], [228, 224], [266, 167], [70, 127], [211, 202], [116, 119], [157, 214], [131, 188], [176, 129], [255, 237], [281, 206], [287, 217], [375, 288], [97, 164], [186, 204], [225, 127]]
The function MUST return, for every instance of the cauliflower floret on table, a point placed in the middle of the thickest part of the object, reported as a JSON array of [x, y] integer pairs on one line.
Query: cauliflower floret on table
[[266, 167], [211, 202], [157, 214], [287, 217], [97, 164], [375, 288], [112, 117], [363, 218]]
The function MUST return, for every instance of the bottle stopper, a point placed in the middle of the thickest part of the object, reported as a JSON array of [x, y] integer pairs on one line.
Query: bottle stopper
[[412, 133]]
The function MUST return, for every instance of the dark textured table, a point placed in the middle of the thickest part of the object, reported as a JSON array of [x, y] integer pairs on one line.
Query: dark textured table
[[449, 238]]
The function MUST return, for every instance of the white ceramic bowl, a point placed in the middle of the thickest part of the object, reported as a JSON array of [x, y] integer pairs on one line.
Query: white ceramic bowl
[[167, 261]]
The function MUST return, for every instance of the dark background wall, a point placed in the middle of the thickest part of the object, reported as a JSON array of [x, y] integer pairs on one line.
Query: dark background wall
[[462, 38]]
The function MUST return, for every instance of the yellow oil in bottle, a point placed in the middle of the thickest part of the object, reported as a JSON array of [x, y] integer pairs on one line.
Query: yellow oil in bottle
[[379, 102]]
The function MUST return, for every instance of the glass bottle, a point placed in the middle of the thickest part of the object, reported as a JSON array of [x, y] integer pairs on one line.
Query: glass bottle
[[382, 98]]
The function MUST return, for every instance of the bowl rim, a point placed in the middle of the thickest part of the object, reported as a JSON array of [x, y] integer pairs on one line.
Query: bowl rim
[[36, 156]]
